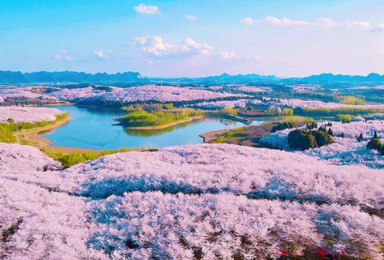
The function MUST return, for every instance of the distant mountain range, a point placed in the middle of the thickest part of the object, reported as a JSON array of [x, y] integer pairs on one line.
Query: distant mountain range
[[253, 76], [322, 78], [327, 77], [10, 77]]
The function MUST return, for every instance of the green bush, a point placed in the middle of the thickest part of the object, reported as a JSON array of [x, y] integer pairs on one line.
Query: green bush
[[284, 112], [283, 126], [168, 106], [344, 118], [322, 138], [336, 111], [351, 100], [302, 140], [6, 135], [230, 135], [311, 125], [228, 111], [374, 144], [7, 129], [75, 158]]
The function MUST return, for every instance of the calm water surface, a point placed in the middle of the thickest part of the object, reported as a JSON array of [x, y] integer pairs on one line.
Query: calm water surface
[[95, 129]]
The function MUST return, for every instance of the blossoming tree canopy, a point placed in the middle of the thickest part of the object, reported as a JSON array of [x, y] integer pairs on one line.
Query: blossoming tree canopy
[[28, 114], [122, 206]]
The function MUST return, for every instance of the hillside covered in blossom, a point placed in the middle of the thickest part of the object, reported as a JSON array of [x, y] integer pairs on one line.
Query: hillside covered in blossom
[[187, 202], [346, 150], [204, 201], [111, 94], [191, 130], [240, 103], [158, 93], [28, 114], [297, 103]]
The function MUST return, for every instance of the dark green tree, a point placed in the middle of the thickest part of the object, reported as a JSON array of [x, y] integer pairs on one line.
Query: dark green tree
[[361, 137], [375, 135], [322, 138], [301, 140], [342, 135], [330, 132], [322, 129], [375, 144], [283, 126]]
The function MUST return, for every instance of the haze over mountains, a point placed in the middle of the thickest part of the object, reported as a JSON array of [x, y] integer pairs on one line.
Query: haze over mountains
[[17, 77]]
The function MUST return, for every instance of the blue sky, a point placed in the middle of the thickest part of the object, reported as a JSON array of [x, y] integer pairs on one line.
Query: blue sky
[[193, 38]]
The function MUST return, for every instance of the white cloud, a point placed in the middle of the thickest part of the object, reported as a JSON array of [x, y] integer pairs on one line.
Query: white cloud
[[257, 58], [329, 23], [231, 56], [68, 58], [380, 28], [282, 22], [100, 55], [155, 46], [204, 52], [65, 57], [321, 22], [225, 55], [148, 61], [192, 44], [146, 9], [247, 21], [325, 22], [362, 24], [141, 40], [191, 17]]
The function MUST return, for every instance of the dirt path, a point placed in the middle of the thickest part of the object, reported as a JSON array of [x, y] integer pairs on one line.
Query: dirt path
[[252, 133], [250, 136], [212, 136]]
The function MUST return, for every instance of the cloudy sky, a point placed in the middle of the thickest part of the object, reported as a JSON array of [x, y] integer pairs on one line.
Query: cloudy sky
[[193, 38]]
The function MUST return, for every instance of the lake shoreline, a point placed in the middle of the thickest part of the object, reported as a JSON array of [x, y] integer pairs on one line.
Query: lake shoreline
[[34, 138], [209, 137], [61, 140], [161, 126]]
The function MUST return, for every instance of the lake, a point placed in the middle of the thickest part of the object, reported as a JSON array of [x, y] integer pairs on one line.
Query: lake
[[95, 129]]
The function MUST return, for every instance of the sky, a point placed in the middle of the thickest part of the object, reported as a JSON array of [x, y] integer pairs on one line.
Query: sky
[[193, 38]]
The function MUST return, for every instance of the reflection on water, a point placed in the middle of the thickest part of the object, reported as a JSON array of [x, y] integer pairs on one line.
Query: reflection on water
[[95, 129]]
